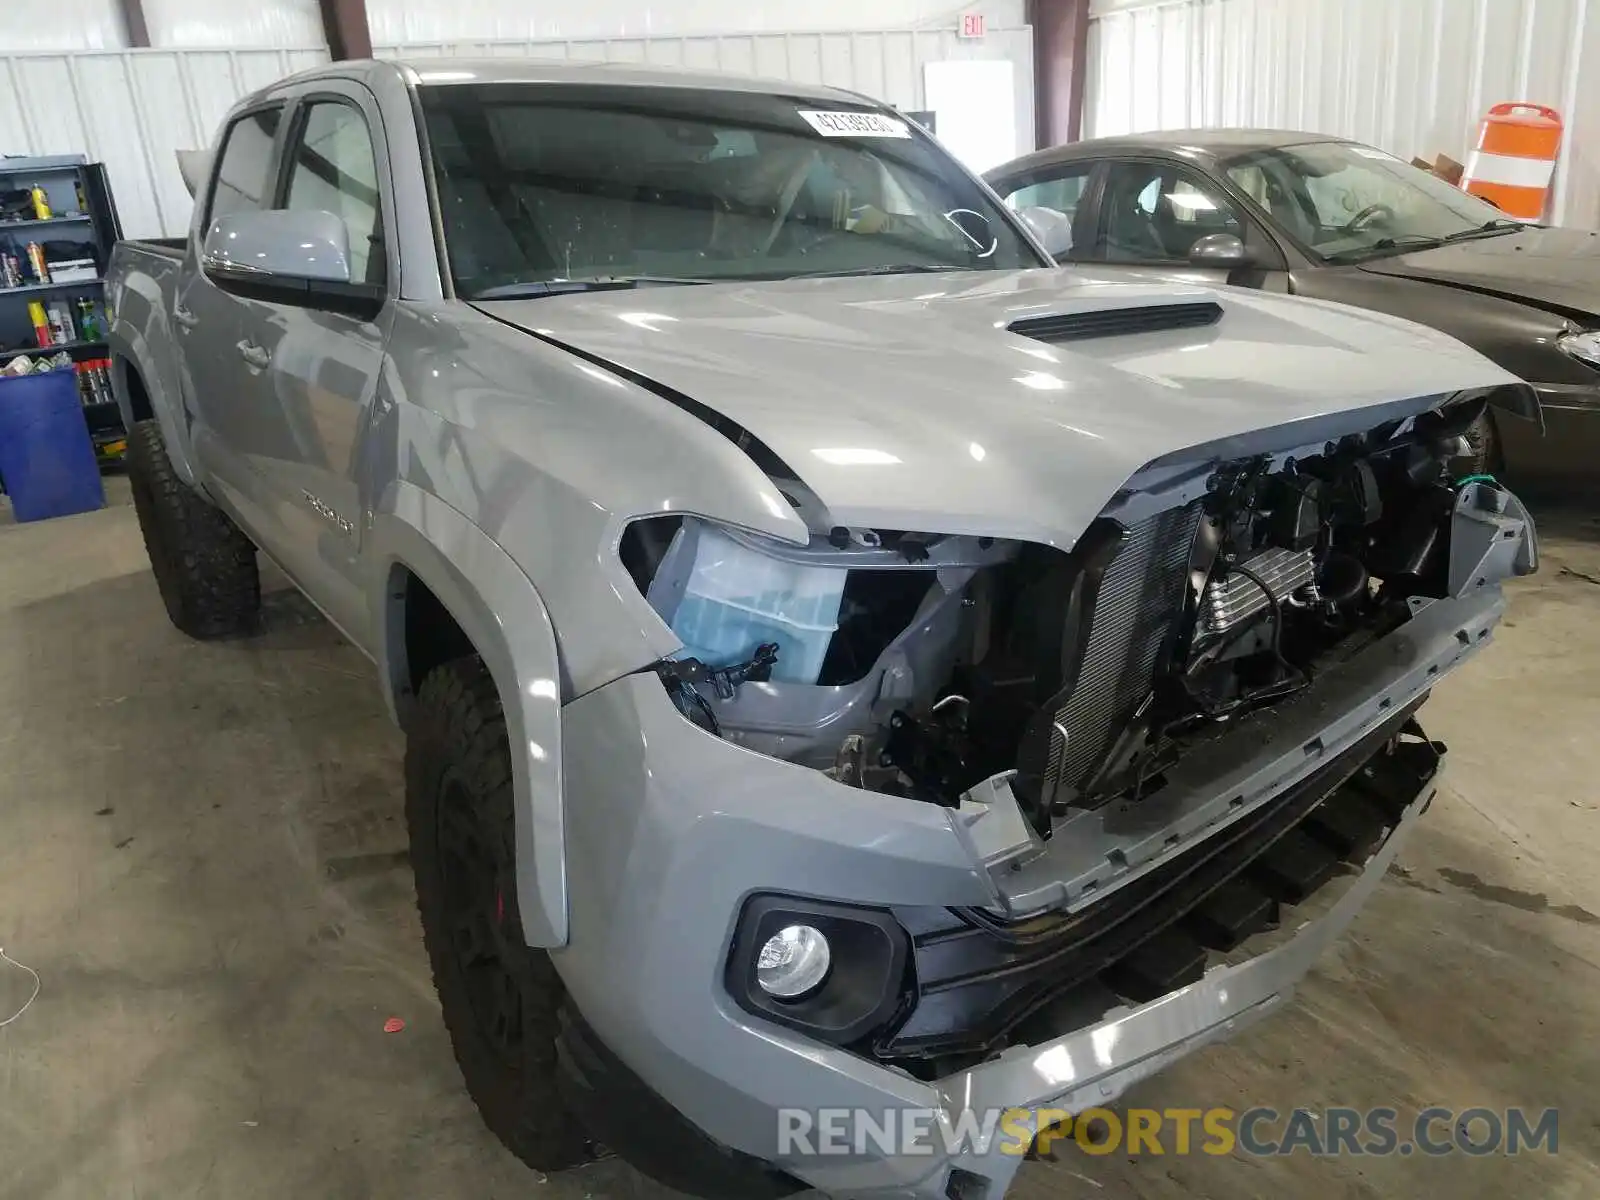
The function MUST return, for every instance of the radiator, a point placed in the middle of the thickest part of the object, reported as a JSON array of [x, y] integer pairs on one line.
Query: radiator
[[1141, 597]]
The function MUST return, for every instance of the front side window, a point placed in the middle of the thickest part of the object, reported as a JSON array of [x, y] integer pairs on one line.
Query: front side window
[[539, 184], [332, 167], [1347, 202], [1156, 212], [242, 168], [1062, 191]]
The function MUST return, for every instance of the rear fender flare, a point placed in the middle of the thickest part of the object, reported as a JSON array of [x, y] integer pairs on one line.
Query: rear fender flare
[[133, 356], [500, 610]]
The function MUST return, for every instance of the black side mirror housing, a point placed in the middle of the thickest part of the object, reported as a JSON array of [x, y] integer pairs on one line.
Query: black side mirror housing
[[1220, 250]]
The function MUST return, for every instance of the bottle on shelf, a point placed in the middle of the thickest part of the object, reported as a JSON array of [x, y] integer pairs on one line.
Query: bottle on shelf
[[10, 270], [41, 202], [41, 323], [60, 318], [89, 328], [36, 263]]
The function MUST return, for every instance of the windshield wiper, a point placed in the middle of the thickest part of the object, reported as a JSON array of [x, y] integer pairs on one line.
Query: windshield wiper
[[1404, 241], [1490, 227], [559, 287], [887, 269]]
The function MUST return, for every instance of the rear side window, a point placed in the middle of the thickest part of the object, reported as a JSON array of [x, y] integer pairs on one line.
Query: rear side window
[[246, 155]]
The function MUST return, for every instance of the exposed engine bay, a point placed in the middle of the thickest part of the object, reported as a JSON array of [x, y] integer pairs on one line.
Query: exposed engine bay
[[921, 665]]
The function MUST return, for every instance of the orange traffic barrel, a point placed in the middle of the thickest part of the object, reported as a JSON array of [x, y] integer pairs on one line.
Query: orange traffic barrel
[[1515, 158]]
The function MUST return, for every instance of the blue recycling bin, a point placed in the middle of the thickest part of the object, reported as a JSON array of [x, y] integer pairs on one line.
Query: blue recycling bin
[[47, 460]]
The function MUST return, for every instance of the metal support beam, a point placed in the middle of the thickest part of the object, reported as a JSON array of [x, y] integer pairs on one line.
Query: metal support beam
[[1060, 67], [133, 23], [344, 25]]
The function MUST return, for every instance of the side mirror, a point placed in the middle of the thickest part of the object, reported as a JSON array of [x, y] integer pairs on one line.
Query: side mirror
[[1219, 250], [1052, 227], [287, 256]]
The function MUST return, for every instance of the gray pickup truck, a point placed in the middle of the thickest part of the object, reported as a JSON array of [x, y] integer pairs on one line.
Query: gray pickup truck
[[852, 672]]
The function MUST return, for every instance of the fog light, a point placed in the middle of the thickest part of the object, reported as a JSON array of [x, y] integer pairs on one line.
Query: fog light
[[792, 962]]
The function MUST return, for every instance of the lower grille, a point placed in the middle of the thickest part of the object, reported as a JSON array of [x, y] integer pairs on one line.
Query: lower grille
[[1140, 598], [979, 977]]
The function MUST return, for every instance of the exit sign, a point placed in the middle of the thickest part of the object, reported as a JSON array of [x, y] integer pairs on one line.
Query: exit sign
[[971, 25]]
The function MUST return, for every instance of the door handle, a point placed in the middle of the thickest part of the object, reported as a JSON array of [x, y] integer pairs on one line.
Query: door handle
[[184, 317], [253, 354]]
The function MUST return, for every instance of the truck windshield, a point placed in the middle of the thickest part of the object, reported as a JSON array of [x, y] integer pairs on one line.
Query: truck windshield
[[541, 184]]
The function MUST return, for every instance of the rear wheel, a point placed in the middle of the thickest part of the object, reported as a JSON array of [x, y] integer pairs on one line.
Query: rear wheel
[[501, 999], [204, 566]]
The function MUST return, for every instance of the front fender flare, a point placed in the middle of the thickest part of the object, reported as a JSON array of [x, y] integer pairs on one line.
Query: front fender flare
[[499, 609]]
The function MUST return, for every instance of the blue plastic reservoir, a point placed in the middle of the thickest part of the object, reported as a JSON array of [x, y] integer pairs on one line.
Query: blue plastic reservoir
[[46, 458]]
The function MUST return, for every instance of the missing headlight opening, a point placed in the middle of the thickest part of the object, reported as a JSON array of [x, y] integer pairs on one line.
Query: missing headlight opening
[[921, 665]]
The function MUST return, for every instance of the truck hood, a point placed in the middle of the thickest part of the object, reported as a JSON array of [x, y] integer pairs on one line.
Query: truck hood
[[908, 401], [1553, 269]]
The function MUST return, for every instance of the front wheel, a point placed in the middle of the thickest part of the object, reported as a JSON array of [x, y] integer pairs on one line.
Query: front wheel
[[501, 999]]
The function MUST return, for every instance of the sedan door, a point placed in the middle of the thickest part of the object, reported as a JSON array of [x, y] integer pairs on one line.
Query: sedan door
[[1154, 213], [314, 370]]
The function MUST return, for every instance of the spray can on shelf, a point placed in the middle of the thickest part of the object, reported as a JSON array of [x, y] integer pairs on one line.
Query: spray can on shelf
[[102, 368], [10, 270], [41, 202], [60, 316], [41, 323], [36, 263]]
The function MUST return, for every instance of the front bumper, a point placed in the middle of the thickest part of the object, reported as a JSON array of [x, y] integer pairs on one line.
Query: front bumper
[[671, 830]]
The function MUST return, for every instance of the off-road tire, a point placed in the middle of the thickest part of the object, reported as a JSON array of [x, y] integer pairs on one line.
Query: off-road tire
[[204, 566], [458, 768]]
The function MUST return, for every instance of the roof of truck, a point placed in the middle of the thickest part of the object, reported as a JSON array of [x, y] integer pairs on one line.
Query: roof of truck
[[450, 72]]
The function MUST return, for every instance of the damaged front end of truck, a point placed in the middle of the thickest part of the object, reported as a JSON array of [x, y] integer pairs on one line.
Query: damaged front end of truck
[[1014, 811]]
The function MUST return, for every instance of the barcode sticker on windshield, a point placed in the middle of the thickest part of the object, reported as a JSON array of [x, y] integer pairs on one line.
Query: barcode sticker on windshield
[[854, 124]]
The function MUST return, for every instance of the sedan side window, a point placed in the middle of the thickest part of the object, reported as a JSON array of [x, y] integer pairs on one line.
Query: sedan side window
[[333, 168], [1154, 212], [1061, 191], [242, 166]]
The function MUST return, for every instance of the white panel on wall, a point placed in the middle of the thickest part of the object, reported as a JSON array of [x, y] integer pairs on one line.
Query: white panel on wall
[[195, 23], [59, 25], [1411, 76], [404, 22]]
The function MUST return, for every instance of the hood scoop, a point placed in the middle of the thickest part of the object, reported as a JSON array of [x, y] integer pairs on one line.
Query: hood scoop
[[1117, 322]]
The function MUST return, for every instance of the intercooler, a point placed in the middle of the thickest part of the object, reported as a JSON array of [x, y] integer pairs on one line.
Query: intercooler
[[1135, 611]]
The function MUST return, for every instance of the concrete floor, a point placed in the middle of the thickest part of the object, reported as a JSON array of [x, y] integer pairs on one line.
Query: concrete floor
[[201, 852]]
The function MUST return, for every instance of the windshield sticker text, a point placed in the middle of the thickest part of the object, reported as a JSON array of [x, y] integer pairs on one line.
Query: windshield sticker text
[[854, 124]]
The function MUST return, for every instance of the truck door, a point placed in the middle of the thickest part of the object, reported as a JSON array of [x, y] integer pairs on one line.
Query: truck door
[[313, 373], [207, 319]]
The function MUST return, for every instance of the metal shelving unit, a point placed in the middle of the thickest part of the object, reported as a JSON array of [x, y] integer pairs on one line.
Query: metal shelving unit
[[82, 213]]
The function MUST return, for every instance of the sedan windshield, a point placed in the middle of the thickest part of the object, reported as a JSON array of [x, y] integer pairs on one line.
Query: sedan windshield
[[1346, 202], [546, 188]]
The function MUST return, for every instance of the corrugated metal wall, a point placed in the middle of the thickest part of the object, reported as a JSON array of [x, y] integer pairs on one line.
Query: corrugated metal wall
[[1411, 76], [399, 22], [133, 108]]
